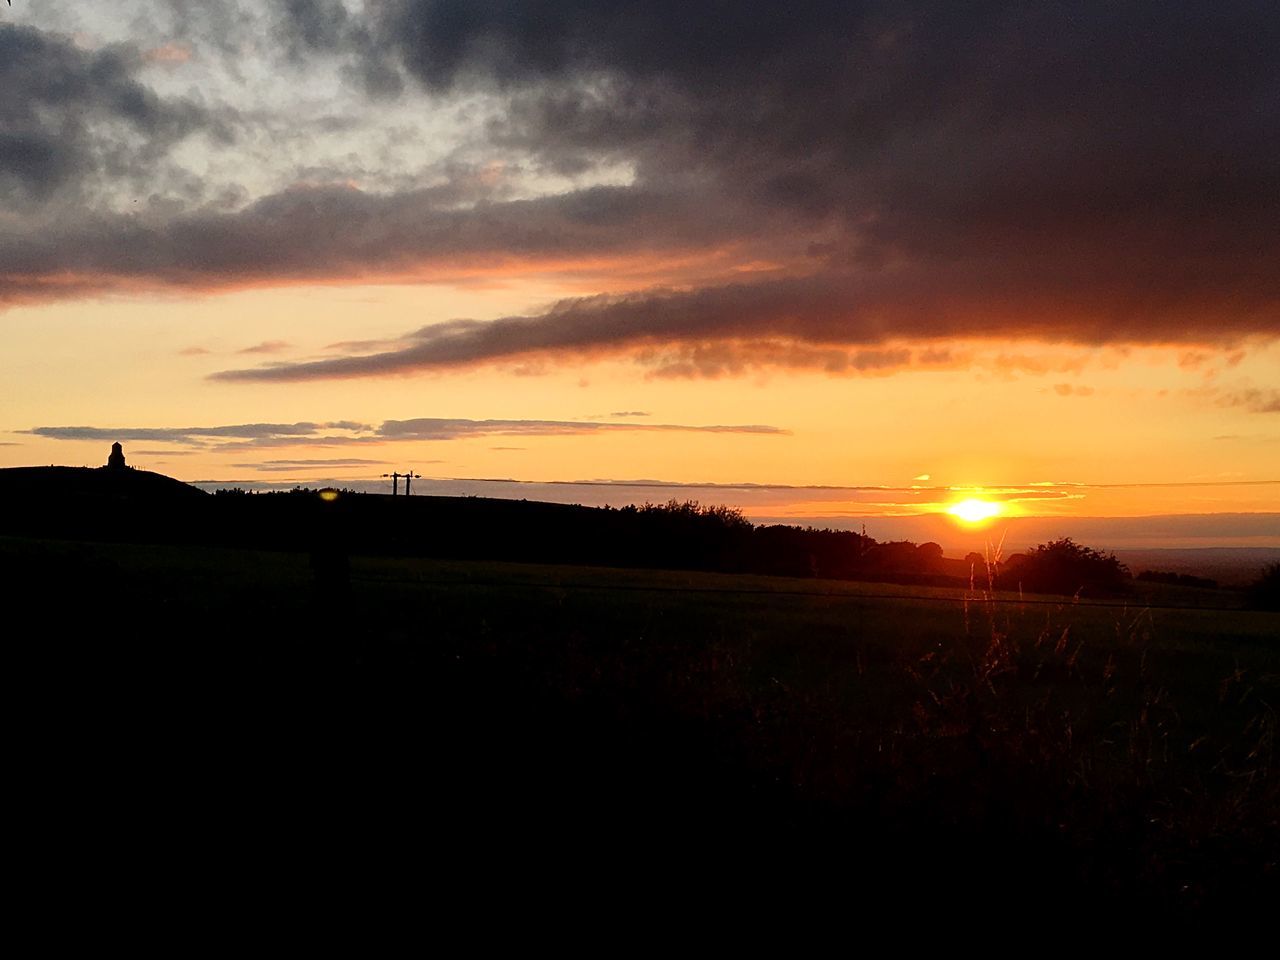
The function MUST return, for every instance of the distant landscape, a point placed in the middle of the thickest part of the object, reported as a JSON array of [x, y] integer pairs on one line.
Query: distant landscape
[[138, 504], [1131, 535]]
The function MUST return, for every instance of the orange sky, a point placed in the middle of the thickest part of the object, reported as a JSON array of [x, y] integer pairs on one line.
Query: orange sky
[[1149, 430]]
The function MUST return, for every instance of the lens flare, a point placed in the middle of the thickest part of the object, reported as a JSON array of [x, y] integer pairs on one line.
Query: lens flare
[[974, 511]]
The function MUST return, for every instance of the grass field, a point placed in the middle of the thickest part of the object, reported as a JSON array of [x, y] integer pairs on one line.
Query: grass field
[[870, 741]]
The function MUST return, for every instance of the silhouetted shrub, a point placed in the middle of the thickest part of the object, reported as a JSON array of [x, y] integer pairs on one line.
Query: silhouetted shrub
[[929, 555], [692, 512], [899, 556], [1064, 566], [807, 552]]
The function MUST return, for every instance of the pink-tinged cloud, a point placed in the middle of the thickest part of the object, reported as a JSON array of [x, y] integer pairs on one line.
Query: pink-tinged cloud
[[168, 53]]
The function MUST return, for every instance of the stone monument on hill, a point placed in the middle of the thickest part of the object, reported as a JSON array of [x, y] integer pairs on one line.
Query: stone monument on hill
[[116, 460]]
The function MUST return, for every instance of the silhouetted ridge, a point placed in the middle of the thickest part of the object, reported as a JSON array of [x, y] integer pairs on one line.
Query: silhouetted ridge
[[120, 503], [103, 503], [112, 482]]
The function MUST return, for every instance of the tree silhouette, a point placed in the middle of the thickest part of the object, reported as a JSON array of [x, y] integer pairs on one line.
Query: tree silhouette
[[1064, 566], [1264, 593]]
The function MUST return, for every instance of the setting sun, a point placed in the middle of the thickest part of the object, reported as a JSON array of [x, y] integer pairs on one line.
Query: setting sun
[[975, 511]]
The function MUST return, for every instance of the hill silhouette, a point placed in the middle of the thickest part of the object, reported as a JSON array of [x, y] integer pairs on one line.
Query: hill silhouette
[[103, 503], [117, 503], [101, 483]]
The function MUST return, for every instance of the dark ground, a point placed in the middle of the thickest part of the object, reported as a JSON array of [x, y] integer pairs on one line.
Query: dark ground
[[637, 746]]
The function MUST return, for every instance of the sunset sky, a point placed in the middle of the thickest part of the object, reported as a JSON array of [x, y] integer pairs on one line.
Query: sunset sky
[[823, 261]]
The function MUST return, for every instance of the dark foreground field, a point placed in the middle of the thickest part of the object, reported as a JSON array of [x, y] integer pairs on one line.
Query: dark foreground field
[[638, 745]]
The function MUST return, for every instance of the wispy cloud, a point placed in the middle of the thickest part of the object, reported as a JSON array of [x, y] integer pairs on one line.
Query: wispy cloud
[[431, 428], [1072, 390], [267, 346], [884, 495], [199, 436], [364, 346], [1252, 399], [267, 435], [282, 466]]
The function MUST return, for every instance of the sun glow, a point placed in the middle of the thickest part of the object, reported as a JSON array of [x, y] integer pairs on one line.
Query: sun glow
[[974, 511]]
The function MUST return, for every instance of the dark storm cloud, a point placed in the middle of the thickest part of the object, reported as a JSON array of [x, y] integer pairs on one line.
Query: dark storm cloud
[[1090, 172], [308, 27], [309, 233], [69, 113], [815, 102], [315, 25], [1123, 154]]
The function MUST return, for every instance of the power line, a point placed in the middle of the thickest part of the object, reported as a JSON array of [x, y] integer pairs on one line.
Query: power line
[[408, 481]]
